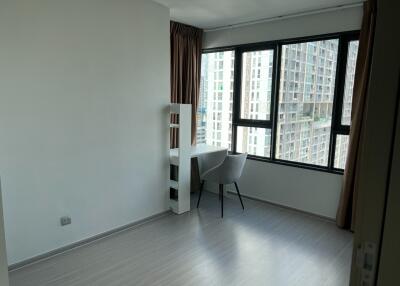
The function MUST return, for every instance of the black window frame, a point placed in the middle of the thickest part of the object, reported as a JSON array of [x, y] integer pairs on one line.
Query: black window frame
[[337, 128]]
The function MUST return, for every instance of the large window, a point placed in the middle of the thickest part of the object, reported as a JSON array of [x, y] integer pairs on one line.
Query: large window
[[287, 101], [341, 139], [307, 85], [349, 82], [254, 141], [214, 114], [256, 82], [253, 125]]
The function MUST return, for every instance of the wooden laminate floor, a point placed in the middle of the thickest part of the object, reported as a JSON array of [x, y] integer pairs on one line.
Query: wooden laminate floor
[[264, 245]]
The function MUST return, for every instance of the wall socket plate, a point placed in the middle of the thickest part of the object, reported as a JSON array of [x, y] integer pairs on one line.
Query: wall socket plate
[[65, 220]]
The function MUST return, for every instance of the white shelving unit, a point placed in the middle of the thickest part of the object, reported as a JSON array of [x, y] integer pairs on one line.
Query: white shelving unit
[[181, 158]]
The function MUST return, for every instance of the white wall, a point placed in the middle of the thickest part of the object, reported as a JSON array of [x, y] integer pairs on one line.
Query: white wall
[[83, 87], [302, 189], [323, 23], [306, 190]]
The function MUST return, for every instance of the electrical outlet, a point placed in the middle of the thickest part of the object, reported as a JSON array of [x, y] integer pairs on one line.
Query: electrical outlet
[[65, 220]]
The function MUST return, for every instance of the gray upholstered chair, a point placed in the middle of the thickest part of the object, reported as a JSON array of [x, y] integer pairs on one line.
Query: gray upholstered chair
[[228, 172]]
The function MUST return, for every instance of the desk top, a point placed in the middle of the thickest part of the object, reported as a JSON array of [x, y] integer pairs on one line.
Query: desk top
[[200, 149]]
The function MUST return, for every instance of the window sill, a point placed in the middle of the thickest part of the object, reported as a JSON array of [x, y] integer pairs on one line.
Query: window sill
[[296, 165]]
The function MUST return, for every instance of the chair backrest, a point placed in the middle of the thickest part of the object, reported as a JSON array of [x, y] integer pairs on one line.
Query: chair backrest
[[210, 160], [230, 170]]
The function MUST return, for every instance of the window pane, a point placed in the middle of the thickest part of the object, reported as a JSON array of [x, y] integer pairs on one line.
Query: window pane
[[305, 101], [342, 143], [349, 82], [256, 85], [214, 114], [254, 141]]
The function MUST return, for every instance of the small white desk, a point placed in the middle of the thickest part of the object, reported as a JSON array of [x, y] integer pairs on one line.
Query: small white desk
[[197, 150], [204, 157]]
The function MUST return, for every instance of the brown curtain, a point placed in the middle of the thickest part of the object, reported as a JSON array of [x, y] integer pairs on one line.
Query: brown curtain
[[186, 43], [345, 216]]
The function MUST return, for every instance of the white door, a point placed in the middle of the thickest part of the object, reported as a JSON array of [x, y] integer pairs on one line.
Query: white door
[[389, 259], [3, 255], [377, 149]]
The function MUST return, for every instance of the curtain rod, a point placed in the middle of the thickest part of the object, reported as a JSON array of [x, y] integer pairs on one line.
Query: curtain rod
[[287, 16]]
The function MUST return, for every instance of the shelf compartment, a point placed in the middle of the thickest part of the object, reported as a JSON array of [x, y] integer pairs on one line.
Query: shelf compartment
[[173, 184]]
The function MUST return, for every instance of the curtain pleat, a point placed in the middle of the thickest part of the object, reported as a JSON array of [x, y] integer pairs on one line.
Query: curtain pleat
[[186, 43], [345, 216]]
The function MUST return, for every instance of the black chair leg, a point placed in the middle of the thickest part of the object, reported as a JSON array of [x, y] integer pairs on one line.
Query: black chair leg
[[201, 191], [221, 192], [240, 197]]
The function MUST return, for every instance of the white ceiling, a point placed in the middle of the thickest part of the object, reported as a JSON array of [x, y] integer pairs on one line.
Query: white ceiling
[[208, 14]]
